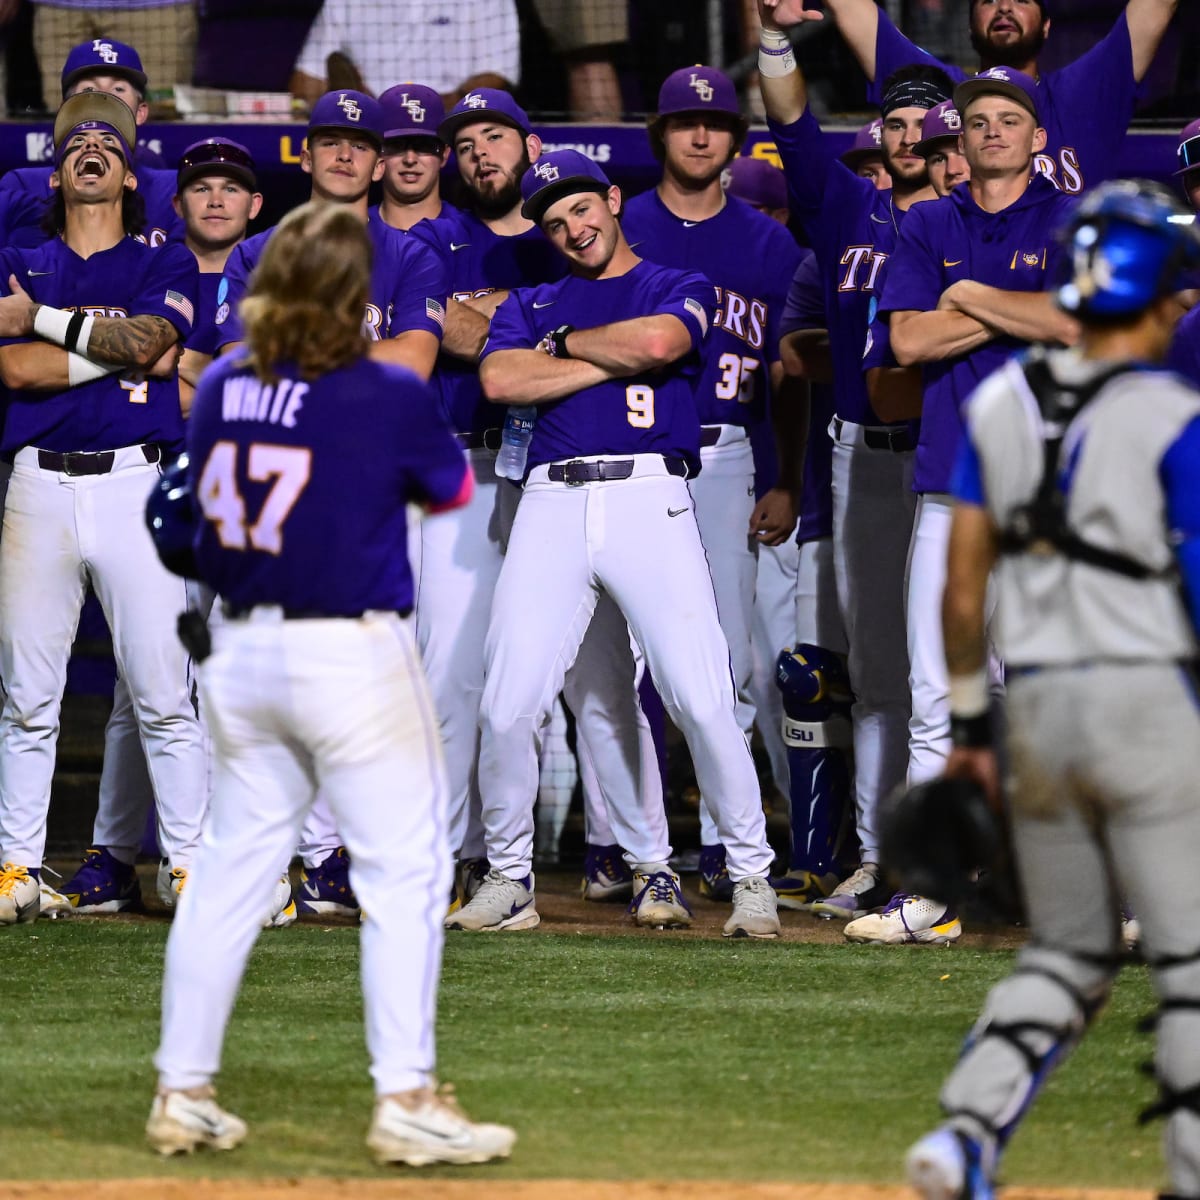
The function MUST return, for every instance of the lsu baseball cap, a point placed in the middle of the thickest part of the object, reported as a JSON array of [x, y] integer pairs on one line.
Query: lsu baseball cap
[[998, 81], [102, 56], [95, 111], [757, 182], [868, 143], [216, 156], [941, 122], [345, 109], [484, 104], [558, 174], [697, 89], [411, 110], [1188, 152]]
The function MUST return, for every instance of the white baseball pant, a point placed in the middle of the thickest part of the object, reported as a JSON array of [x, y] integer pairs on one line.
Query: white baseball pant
[[724, 497], [60, 531], [295, 705], [773, 629], [873, 506], [635, 541], [818, 615]]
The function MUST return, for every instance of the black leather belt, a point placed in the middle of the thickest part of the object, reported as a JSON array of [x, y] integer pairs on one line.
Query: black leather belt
[[577, 471], [896, 440], [233, 613], [710, 435], [489, 439], [88, 462]]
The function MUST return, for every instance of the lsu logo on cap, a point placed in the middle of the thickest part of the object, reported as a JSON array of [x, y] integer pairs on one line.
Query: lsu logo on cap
[[996, 73], [416, 109], [951, 119], [547, 172], [105, 51], [701, 87], [350, 107], [877, 133], [475, 100]]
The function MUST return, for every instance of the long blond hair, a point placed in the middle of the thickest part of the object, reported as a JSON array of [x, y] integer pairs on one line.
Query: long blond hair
[[308, 293]]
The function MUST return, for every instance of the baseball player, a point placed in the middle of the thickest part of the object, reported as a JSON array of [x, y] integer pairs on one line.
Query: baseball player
[[1188, 163], [940, 148], [413, 155], [490, 248], [404, 320], [1085, 106], [865, 156], [315, 681], [93, 407], [1078, 484], [97, 66], [812, 676], [965, 289], [690, 223], [853, 227], [216, 198], [609, 356]]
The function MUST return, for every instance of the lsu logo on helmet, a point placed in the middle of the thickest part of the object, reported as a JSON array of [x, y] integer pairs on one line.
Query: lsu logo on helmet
[[701, 86], [350, 107]]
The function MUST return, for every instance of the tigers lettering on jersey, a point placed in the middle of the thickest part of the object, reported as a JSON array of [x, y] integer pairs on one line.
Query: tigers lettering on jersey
[[1065, 172], [744, 318], [863, 264]]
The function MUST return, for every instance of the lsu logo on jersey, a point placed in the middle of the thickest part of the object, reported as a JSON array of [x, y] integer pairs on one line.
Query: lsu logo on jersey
[[105, 51], [350, 107], [701, 87], [863, 264], [1024, 259]]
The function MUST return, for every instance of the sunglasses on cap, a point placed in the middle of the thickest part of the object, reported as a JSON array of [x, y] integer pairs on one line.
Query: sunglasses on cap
[[216, 153], [1189, 154]]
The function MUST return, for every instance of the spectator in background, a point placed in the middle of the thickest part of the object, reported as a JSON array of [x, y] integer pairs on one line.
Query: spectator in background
[[453, 49], [585, 36], [865, 156], [164, 29]]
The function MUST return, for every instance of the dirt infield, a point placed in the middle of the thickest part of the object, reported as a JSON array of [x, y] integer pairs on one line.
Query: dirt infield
[[495, 1189]]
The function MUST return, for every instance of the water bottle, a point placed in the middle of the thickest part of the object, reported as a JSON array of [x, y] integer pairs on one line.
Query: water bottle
[[514, 441]]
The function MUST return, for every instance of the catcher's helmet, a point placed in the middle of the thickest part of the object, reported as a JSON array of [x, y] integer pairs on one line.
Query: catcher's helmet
[[1129, 242], [935, 836], [171, 519]]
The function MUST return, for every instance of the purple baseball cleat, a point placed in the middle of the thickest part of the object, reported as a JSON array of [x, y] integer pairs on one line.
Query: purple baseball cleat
[[103, 884], [324, 890]]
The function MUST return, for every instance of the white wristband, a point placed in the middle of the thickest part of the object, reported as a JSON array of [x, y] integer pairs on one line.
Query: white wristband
[[969, 696], [52, 324], [83, 370], [775, 55]]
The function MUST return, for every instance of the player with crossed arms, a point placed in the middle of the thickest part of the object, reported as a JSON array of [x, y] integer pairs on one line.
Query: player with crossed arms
[[610, 356], [315, 682]]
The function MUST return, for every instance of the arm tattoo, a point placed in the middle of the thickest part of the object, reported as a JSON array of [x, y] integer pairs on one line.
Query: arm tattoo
[[130, 341]]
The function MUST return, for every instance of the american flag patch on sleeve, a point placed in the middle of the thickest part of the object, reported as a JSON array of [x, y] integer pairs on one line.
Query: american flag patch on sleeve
[[435, 312], [181, 304], [697, 311]]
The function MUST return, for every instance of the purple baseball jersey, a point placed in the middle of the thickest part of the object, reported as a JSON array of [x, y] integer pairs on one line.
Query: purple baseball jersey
[[328, 463], [1184, 354], [652, 413], [1085, 107], [750, 258], [853, 228], [25, 195], [478, 262], [131, 279], [205, 338], [805, 309], [952, 239], [408, 285]]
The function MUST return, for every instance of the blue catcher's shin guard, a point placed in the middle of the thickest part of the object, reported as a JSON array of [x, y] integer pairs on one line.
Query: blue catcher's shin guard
[[817, 733]]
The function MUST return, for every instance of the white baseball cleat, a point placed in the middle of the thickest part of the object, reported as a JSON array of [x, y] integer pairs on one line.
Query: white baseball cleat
[[283, 907], [948, 1165], [20, 895], [421, 1127], [658, 902], [53, 904], [170, 883], [755, 910], [500, 903], [181, 1122], [907, 919]]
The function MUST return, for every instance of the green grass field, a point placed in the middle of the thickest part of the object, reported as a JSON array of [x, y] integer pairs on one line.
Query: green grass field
[[623, 1057]]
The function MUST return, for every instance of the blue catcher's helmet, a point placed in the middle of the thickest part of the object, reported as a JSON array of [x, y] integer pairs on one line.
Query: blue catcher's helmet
[[1129, 242], [171, 519]]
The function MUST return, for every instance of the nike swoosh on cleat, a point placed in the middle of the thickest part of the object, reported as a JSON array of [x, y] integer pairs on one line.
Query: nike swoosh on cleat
[[311, 889], [675, 512]]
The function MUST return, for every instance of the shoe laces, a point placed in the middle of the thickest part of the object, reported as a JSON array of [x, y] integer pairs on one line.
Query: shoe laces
[[179, 877], [863, 880], [660, 888], [754, 896], [10, 876], [897, 902], [500, 882]]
